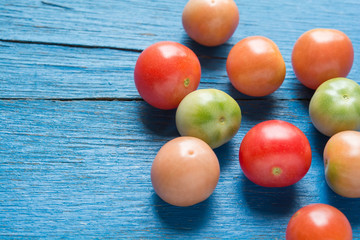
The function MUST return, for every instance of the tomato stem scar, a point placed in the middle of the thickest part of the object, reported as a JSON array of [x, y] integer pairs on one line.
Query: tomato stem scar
[[186, 82], [276, 171], [222, 119]]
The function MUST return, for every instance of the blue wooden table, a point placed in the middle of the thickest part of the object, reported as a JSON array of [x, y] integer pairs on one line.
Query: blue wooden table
[[77, 141]]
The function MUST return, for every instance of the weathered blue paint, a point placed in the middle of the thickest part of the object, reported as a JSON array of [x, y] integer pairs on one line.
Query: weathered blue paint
[[74, 164]]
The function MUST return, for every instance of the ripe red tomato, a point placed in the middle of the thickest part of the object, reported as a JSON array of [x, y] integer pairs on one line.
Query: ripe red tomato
[[165, 73], [255, 66], [321, 54], [210, 22], [275, 153], [318, 221], [185, 171]]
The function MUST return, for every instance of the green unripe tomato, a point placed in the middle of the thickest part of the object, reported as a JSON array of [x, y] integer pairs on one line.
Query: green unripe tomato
[[209, 114], [335, 106]]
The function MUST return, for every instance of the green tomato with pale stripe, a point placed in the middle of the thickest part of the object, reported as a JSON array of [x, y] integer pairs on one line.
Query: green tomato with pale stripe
[[210, 115], [335, 106]]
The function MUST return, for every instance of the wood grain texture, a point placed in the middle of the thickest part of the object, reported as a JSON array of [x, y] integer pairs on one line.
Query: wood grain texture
[[82, 169], [77, 141], [41, 71], [134, 24], [94, 45], [59, 72]]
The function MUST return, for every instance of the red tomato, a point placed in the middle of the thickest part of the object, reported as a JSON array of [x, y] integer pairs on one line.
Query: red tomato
[[210, 22], [321, 54], [165, 73], [317, 222], [255, 66], [275, 153], [185, 171]]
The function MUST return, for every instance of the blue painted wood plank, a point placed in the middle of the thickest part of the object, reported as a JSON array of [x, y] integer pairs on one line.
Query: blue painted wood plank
[[39, 71], [50, 71], [81, 169], [134, 23], [43, 71]]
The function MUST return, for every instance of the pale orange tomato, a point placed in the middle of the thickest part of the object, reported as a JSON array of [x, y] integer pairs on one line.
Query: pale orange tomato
[[210, 22], [255, 66], [185, 171], [342, 163]]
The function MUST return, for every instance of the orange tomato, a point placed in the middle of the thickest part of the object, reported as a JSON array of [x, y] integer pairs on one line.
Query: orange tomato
[[255, 66], [321, 54], [318, 221]]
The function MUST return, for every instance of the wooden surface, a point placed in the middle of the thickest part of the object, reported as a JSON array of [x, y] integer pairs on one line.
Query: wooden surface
[[77, 141]]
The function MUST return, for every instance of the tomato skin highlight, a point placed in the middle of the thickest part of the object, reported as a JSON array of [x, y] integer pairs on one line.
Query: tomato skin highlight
[[275, 153], [255, 66], [185, 171], [335, 106], [321, 54], [165, 73], [342, 163], [210, 22], [318, 222]]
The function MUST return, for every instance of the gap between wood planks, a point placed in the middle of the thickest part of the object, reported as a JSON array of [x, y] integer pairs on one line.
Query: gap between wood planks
[[88, 46], [104, 98], [73, 99], [70, 45]]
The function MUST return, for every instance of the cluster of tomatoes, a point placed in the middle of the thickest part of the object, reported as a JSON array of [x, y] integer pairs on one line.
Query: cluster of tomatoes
[[186, 170]]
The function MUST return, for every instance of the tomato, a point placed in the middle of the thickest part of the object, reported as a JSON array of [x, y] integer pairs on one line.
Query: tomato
[[342, 163], [165, 73], [321, 54], [210, 22], [318, 221], [275, 153], [185, 171], [335, 106], [255, 66], [209, 114]]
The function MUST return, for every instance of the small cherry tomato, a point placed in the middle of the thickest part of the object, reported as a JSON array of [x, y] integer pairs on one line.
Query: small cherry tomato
[[165, 73], [342, 163], [209, 114], [275, 153], [335, 106], [255, 66], [185, 171], [318, 222], [210, 22], [321, 54]]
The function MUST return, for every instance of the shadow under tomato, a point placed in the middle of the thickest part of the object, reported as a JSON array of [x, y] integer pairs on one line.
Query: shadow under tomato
[[183, 218], [226, 154], [317, 142], [159, 122], [233, 92], [202, 51], [268, 201], [301, 92], [257, 110], [349, 206]]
